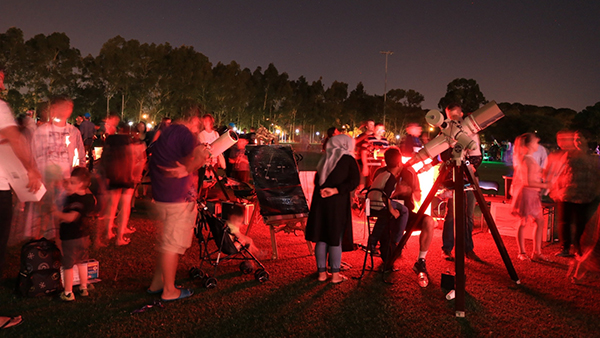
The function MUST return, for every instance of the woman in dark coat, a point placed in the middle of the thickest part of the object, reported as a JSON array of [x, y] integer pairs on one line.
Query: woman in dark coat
[[330, 217]]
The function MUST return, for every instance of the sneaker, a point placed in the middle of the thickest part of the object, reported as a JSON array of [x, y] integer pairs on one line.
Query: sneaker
[[421, 270], [447, 255], [523, 256], [473, 256], [67, 297], [564, 253]]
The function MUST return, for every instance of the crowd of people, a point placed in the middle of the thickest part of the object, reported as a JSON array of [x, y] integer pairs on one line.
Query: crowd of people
[[566, 175], [81, 183], [91, 174]]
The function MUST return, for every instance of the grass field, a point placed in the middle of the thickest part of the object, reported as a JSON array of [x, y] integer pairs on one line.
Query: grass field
[[293, 304]]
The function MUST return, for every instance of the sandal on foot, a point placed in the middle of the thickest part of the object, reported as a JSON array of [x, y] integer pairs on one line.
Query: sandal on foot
[[185, 293], [124, 241], [539, 257], [159, 291], [342, 279], [322, 279], [11, 321], [523, 256], [129, 231]]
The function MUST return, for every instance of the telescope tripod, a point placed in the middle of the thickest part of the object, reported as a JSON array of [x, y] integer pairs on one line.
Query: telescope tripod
[[458, 172], [201, 173]]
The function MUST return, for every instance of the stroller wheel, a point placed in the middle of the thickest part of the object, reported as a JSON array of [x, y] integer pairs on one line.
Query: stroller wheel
[[210, 282], [196, 273], [246, 267], [261, 275]]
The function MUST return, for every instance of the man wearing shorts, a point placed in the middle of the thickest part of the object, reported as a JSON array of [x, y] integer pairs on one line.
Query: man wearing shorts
[[176, 157]]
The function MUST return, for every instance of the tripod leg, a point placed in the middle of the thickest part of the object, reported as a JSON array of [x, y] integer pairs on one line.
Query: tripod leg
[[409, 228], [220, 182], [492, 226], [367, 252], [459, 238]]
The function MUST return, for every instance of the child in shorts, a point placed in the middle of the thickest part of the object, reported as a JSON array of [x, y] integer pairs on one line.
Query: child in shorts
[[74, 230]]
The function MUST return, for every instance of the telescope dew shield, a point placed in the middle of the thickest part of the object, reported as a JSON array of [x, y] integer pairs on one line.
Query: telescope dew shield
[[483, 117], [224, 142]]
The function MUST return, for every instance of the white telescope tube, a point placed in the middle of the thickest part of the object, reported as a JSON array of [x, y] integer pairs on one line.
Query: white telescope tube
[[224, 142]]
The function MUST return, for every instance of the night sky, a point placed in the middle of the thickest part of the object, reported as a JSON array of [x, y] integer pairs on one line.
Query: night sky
[[544, 53]]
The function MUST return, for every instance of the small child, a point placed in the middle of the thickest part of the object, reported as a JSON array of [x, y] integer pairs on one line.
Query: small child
[[74, 230], [235, 221]]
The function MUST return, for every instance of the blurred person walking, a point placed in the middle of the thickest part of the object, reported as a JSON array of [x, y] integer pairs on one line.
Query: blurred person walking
[[575, 188], [121, 161], [57, 147], [10, 135], [525, 189]]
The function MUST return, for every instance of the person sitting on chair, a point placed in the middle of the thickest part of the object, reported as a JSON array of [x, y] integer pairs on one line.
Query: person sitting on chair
[[408, 190], [386, 180]]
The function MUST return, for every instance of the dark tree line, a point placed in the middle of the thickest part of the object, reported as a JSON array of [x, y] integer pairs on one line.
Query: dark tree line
[[137, 79]]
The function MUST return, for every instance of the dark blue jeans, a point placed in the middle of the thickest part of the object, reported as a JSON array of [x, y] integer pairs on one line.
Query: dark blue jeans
[[395, 229], [6, 210], [448, 232]]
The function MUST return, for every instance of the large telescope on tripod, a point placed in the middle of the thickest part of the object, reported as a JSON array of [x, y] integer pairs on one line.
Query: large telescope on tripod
[[457, 134]]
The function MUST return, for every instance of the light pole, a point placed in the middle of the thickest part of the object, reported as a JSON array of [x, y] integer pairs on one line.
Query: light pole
[[387, 53]]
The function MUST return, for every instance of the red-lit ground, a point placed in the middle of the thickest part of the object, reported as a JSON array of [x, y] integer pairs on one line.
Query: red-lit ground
[[294, 304]]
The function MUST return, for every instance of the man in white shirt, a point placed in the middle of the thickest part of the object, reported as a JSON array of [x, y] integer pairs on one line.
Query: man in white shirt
[[208, 136], [57, 147], [9, 134]]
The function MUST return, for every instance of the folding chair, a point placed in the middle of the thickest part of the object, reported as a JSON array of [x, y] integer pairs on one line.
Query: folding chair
[[376, 207]]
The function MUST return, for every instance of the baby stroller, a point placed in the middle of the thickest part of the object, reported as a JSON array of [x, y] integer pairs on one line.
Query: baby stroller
[[225, 249]]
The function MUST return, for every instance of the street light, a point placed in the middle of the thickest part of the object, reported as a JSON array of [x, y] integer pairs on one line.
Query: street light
[[387, 53]]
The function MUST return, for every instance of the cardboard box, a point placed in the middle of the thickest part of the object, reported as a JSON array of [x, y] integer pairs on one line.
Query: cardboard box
[[228, 207], [508, 224], [93, 268]]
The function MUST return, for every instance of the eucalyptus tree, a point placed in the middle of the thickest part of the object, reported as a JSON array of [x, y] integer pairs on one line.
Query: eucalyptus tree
[[230, 94], [40, 67]]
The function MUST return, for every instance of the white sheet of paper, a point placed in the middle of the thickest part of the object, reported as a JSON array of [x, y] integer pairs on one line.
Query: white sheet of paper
[[17, 175]]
